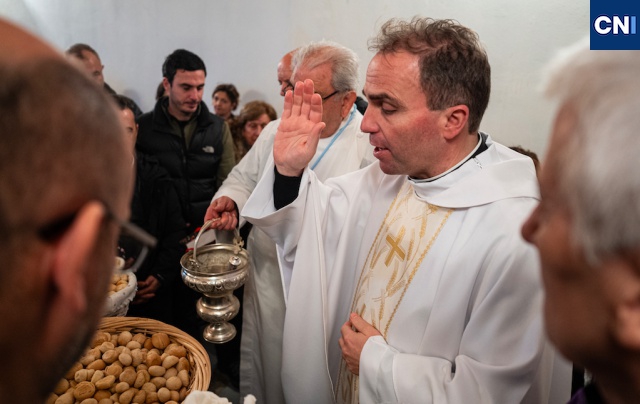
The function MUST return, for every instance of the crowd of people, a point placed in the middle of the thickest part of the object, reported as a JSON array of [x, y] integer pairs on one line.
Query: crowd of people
[[183, 153], [400, 256]]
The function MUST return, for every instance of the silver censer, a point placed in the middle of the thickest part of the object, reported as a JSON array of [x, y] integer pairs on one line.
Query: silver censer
[[216, 270]]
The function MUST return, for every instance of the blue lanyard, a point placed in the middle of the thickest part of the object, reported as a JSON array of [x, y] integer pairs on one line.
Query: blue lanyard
[[335, 137]]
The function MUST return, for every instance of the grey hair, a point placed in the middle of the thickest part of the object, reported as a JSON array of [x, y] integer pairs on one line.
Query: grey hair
[[344, 63], [598, 172]]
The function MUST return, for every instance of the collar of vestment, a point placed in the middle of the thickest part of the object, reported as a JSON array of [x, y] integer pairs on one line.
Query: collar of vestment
[[494, 174], [480, 147]]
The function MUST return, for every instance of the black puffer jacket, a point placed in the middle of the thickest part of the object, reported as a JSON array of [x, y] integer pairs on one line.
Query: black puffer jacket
[[155, 207], [197, 169]]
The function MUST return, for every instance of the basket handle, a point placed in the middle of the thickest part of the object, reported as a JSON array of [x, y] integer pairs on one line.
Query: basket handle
[[237, 240]]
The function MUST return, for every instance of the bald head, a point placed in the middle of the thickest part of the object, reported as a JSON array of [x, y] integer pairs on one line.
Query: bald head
[[284, 72], [23, 46]]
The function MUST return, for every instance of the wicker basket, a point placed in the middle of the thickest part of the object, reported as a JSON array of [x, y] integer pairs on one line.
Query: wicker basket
[[117, 304], [200, 372]]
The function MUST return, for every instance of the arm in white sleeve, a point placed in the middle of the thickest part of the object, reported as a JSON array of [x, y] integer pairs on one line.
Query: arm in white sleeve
[[244, 177]]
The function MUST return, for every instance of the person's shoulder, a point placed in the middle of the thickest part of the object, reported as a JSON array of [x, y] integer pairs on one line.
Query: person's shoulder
[[369, 176], [206, 117], [215, 118], [145, 118], [270, 129], [213, 125], [501, 159], [108, 89], [150, 116]]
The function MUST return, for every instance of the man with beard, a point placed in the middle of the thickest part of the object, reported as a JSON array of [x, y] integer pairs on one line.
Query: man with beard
[[192, 144], [195, 147]]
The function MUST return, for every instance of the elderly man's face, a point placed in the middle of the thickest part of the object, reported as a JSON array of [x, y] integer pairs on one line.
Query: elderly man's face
[[333, 106], [403, 130], [284, 74], [578, 298]]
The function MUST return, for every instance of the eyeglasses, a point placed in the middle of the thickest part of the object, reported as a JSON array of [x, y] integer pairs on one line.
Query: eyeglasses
[[329, 96], [133, 244]]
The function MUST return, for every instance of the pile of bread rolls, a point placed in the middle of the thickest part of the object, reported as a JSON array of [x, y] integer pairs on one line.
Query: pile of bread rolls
[[127, 368]]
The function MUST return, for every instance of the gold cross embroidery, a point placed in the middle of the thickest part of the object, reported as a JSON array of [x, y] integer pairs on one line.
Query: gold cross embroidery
[[382, 284], [394, 247]]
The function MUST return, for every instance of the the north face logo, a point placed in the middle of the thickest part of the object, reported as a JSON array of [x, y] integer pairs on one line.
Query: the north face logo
[[208, 149]]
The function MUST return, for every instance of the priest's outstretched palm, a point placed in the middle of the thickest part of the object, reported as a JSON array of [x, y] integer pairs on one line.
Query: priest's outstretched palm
[[297, 137]]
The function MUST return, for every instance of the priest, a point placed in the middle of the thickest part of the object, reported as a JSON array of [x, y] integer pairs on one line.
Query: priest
[[342, 148], [408, 281]]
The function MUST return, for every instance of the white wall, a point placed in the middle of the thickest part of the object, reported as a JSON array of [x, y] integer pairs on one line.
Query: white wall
[[241, 42]]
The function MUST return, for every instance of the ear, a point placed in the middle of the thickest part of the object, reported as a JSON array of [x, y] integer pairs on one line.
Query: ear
[[454, 120], [347, 103], [166, 84], [71, 260], [627, 310]]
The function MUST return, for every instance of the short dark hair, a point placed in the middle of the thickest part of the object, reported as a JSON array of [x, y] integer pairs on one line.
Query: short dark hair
[[123, 102], [230, 90], [181, 59], [454, 67], [77, 49]]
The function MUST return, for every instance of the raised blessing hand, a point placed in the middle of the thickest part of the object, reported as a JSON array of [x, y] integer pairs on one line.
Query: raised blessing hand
[[300, 127]]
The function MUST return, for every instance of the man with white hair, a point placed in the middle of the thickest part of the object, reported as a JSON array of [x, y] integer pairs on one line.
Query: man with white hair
[[342, 148], [587, 225]]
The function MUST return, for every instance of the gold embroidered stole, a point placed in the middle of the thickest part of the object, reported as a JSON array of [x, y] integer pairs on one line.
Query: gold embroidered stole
[[403, 240]]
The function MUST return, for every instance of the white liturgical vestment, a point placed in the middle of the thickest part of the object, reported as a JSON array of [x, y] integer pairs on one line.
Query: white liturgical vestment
[[264, 304], [467, 324]]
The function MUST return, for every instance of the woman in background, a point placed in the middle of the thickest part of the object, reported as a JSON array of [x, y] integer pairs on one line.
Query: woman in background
[[225, 98], [246, 128]]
